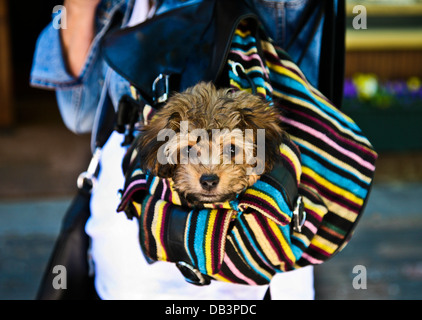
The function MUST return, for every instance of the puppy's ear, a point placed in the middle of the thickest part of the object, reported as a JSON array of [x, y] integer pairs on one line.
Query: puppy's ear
[[260, 115], [151, 143]]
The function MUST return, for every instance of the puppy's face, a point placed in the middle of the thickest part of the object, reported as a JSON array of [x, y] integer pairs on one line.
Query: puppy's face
[[212, 143]]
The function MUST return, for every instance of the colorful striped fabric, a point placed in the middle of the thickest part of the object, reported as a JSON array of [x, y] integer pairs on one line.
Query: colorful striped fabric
[[338, 162], [222, 241], [250, 239]]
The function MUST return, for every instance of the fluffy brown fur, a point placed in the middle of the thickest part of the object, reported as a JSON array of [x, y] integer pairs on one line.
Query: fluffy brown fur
[[204, 107]]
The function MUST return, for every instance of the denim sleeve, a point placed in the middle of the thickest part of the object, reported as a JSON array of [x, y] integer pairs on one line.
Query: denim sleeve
[[49, 68], [77, 97]]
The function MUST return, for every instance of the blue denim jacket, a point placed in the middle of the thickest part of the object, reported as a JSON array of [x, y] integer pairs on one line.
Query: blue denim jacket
[[79, 97]]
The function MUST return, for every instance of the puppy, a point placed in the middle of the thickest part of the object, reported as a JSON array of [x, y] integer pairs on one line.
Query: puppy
[[213, 143]]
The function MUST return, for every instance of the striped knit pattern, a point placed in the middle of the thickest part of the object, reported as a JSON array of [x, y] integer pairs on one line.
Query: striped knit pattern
[[250, 239], [338, 162], [222, 240], [244, 50], [205, 238]]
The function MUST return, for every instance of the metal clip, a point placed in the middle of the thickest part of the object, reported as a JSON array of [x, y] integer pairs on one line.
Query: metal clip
[[165, 95], [87, 179], [234, 68], [299, 215], [192, 275]]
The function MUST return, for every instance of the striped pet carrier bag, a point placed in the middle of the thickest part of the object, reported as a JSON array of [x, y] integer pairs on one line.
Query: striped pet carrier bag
[[327, 161]]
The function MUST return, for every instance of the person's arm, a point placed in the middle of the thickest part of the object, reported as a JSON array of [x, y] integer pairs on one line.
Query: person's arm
[[78, 35], [69, 61]]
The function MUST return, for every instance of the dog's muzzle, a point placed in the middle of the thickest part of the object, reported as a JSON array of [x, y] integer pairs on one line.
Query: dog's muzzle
[[209, 181]]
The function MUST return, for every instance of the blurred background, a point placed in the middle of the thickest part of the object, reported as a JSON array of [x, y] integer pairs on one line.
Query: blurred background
[[40, 159]]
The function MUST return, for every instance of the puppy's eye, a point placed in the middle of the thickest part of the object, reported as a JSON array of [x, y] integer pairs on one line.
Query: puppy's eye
[[185, 150], [230, 151]]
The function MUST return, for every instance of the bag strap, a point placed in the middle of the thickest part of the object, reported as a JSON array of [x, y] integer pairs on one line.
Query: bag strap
[[106, 120], [332, 61], [325, 81]]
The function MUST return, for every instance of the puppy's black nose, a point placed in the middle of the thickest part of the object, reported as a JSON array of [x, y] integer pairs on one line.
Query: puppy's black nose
[[209, 181]]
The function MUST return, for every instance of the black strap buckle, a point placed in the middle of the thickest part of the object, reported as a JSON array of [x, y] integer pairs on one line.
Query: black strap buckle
[[128, 114], [192, 275]]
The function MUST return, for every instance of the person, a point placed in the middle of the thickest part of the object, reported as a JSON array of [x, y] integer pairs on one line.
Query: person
[[70, 62]]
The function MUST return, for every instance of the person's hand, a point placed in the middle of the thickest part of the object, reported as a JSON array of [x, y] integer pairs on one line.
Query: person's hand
[[78, 35]]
